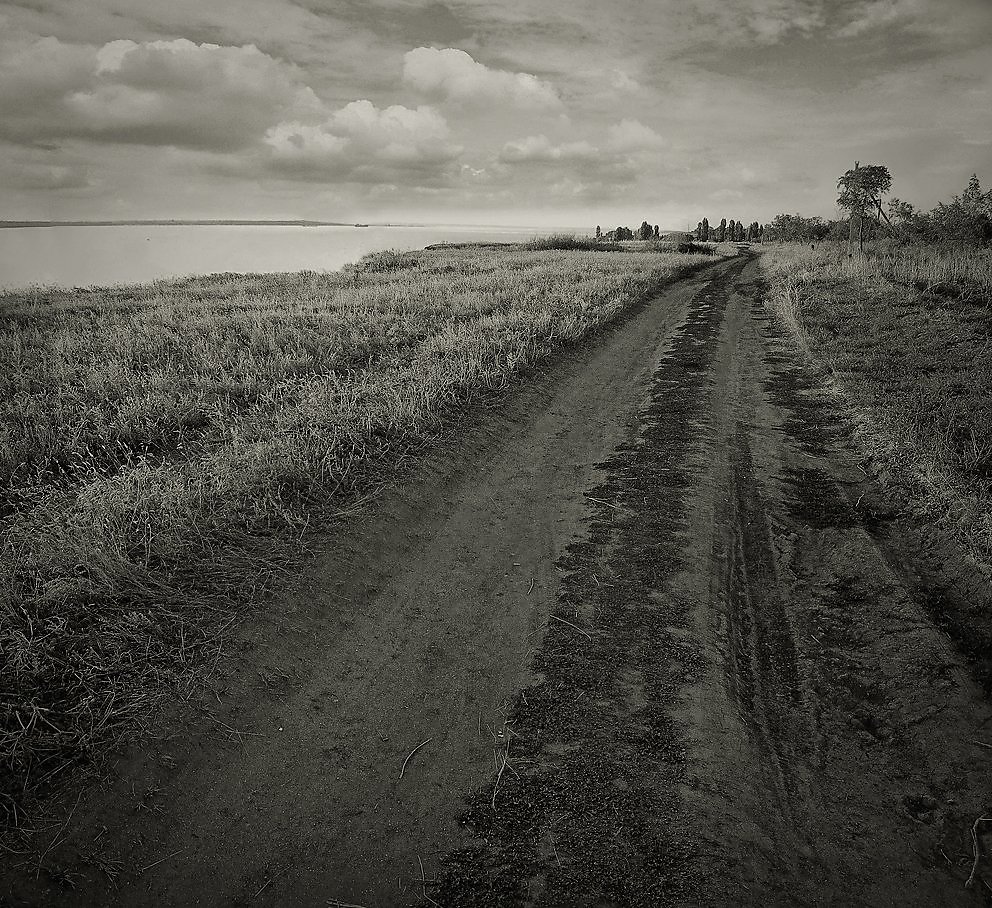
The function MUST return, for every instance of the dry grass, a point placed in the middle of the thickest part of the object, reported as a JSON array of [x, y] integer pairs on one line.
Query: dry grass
[[907, 338], [150, 436]]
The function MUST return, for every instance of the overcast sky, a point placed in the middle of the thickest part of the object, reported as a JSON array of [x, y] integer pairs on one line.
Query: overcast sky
[[564, 112]]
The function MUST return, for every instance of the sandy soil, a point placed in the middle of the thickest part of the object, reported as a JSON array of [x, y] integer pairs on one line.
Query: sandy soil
[[665, 640]]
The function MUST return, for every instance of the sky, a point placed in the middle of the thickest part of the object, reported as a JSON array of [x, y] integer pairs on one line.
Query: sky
[[522, 112]]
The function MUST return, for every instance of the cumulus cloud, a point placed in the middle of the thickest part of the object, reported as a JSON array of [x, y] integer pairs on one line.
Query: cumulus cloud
[[177, 93], [453, 75], [633, 135], [540, 149], [872, 14], [624, 141], [362, 143]]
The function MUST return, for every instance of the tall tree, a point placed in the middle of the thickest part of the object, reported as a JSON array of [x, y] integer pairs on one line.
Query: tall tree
[[706, 230], [861, 191], [656, 236], [721, 234]]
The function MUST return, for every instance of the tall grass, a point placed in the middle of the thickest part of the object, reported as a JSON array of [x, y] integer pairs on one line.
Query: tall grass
[[151, 435], [907, 338]]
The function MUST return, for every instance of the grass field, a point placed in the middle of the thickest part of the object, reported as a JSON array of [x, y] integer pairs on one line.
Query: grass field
[[907, 338], [150, 436]]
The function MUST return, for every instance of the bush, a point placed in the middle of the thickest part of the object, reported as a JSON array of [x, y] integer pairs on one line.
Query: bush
[[696, 248], [568, 241]]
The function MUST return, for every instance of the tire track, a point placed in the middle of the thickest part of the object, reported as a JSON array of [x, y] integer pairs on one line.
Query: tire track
[[591, 814]]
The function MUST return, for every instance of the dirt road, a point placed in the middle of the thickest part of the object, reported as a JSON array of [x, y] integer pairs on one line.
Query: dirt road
[[641, 633]]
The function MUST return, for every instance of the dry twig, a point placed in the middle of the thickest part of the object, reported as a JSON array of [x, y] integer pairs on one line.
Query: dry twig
[[977, 846], [575, 627], [412, 752]]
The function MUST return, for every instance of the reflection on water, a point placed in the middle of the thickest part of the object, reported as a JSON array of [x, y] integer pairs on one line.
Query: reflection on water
[[86, 256]]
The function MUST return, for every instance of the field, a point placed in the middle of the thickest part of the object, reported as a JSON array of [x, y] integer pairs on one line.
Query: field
[[159, 443]]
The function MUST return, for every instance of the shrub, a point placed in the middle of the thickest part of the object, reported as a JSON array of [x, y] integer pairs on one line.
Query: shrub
[[568, 241]]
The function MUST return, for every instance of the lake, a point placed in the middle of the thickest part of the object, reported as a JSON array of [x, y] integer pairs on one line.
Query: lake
[[87, 256]]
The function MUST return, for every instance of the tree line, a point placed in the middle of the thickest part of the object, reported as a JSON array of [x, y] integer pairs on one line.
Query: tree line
[[644, 232], [729, 232], [965, 220]]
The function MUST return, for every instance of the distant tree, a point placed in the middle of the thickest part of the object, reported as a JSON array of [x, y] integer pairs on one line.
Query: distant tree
[[705, 235], [740, 232], [645, 231], [861, 191], [599, 232], [699, 230], [721, 231], [656, 234], [731, 227]]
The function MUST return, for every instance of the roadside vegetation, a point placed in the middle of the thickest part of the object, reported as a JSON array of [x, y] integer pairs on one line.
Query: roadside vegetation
[[905, 335], [898, 306], [160, 443]]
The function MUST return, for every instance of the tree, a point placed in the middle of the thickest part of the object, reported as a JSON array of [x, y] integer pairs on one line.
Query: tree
[[599, 232], [699, 230], [656, 235], [861, 191], [706, 230], [967, 218], [721, 233], [645, 231], [794, 228]]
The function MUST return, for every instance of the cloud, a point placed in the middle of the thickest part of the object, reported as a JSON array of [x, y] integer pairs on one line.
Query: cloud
[[540, 149], [176, 93], [40, 176], [872, 14], [633, 135], [453, 75], [362, 143], [625, 140], [622, 81]]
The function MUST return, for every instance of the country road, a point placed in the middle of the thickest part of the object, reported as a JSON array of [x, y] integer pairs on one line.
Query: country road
[[639, 633]]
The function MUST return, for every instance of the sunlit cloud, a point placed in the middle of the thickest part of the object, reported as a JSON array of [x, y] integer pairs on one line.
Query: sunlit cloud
[[452, 75]]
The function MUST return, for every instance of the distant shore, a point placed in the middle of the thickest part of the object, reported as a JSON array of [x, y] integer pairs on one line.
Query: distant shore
[[184, 223]]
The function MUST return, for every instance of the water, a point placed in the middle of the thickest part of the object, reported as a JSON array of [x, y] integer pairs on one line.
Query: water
[[97, 256]]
